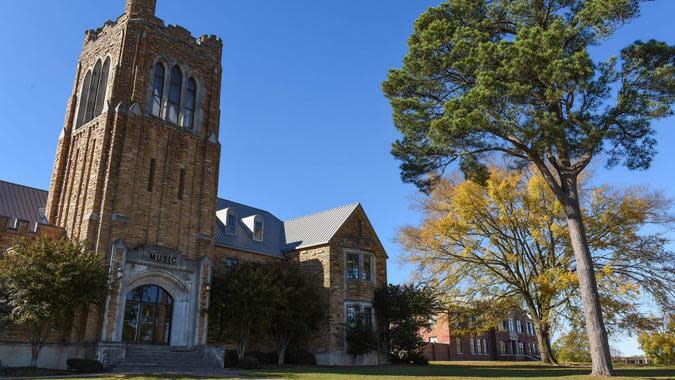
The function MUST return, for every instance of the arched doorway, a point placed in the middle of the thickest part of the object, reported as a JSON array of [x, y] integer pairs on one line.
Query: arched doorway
[[147, 316]]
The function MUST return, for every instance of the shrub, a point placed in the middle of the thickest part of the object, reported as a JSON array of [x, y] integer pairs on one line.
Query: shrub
[[84, 365], [249, 362], [231, 359], [263, 357], [300, 356], [416, 358], [360, 339]]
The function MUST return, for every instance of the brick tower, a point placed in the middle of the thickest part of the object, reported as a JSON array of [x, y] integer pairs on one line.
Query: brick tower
[[136, 174]]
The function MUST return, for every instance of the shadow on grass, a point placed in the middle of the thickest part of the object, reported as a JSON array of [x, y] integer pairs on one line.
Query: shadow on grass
[[459, 370]]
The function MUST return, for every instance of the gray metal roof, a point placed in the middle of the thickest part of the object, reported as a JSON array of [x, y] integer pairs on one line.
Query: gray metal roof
[[27, 203], [22, 202], [278, 236], [242, 238], [317, 228]]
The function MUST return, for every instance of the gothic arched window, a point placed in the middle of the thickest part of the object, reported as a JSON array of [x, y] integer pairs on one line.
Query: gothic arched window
[[93, 90], [83, 99], [157, 90], [102, 86], [190, 100], [174, 94]]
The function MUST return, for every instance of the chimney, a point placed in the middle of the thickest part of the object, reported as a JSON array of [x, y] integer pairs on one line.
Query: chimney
[[140, 8]]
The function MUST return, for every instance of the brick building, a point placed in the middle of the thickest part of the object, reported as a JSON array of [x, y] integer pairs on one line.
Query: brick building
[[136, 175], [513, 339]]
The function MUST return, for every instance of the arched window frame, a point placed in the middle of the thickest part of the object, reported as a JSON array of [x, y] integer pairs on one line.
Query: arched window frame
[[93, 90], [102, 87], [84, 93], [175, 95], [156, 102], [189, 104], [187, 118]]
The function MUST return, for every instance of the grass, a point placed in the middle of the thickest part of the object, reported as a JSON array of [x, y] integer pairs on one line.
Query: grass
[[438, 370]]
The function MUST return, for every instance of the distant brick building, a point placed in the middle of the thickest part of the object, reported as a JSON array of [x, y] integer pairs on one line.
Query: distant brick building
[[136, 175], [514, 339]]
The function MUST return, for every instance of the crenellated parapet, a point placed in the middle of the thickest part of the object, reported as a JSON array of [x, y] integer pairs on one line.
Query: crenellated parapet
[[19, 229]]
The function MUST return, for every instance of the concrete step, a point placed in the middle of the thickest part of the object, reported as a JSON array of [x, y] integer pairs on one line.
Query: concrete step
[[163, 358]]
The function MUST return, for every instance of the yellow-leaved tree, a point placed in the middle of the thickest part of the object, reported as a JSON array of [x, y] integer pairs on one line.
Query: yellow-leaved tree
[[505, 242]]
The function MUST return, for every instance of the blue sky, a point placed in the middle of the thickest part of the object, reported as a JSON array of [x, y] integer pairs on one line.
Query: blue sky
[[304, 124]]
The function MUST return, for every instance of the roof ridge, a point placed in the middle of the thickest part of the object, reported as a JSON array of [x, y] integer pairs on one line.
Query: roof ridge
[[354, 204], [26, 186]]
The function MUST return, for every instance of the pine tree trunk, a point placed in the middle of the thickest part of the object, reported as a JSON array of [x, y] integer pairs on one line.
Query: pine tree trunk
[[595, 326]]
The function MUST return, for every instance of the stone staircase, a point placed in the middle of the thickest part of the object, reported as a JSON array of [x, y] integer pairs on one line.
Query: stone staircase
[[166, 359]]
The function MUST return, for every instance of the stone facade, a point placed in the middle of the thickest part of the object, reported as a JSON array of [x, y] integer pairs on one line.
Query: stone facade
[[136, 174]]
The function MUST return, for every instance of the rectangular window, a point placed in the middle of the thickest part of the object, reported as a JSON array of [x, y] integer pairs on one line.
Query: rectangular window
[[433, 339], [230, 262], [485, 347], [511, 325], [519, 325], [151, 175], [367, 267], [502, 346], [352, 311], [353, 266], [231, 221], [258, 230], [521, 347], [472, 343], [479, 347], [181, 184], [458, 345], [368, 317]]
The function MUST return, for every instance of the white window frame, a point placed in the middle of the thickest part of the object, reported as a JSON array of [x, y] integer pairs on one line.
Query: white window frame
[[519, 326], [458, 345], [511, 327], [360, 305], [361, 255]]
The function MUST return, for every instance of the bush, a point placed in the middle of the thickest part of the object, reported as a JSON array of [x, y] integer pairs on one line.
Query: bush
[[360, 339], [84, 365], [264, 357], [249, 362], [231, 359], [300, 356], [416, 358]]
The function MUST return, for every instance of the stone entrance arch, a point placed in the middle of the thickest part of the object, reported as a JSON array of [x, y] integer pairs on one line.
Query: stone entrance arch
[[148, 313], [184, 280]]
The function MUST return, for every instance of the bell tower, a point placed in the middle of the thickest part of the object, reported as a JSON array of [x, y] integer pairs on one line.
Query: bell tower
[[136, 166]]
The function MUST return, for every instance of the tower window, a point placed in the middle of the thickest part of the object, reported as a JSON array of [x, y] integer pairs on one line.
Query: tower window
[[174, 94], [151, 175], [102, 86], [190, 99], [181, 184], [83, 98], [157, 90], [93, 90]]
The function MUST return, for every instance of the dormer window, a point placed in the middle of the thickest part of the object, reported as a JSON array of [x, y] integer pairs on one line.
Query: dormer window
[[258, 229], [231, 221]]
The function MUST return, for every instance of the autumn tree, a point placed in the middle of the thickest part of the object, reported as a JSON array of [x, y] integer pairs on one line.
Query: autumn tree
[[573, 347], [659, 343], [45, 281], [503, 244], [515, 78]]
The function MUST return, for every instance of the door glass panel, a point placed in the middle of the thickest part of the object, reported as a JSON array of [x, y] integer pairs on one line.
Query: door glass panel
[[147, 316]]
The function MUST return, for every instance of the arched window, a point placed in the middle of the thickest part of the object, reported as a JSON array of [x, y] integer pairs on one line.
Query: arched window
[[190, 99], [83, 99], [157, 90], [93, 90], [174, 94], [102, 86]]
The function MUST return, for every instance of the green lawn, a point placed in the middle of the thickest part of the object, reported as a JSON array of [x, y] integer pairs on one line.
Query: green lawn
[[441, 370]]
